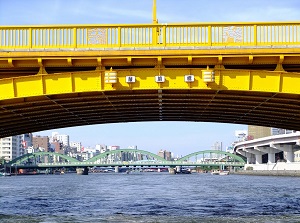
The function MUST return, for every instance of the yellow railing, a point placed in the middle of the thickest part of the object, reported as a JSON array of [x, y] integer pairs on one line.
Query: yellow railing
[[149, 35]]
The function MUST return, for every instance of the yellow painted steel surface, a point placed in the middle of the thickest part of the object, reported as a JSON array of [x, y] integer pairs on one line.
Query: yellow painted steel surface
[[55, 76], [150, 35], [91, 81]]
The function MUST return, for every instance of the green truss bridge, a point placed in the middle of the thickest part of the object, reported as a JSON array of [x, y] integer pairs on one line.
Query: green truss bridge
[[125, 158]]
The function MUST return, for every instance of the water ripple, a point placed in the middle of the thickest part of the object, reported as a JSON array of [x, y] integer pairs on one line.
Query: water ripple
[[149, 197]]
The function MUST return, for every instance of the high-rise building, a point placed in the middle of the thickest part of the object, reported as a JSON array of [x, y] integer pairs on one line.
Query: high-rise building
[[161, 153], [168, 155], [53, 137], [57, 146], [64, 139], [26, 141], [256, 132], [165, 154], [217, 146], [41, 142], [77, 145], [10, 147]]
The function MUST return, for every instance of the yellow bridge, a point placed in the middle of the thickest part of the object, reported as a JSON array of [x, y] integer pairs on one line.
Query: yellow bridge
[[61, 76]]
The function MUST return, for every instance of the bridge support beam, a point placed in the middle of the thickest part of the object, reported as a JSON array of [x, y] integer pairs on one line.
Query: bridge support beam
[[256, 156], [116, 169], [270, 150], [248, 155], [288, 152]]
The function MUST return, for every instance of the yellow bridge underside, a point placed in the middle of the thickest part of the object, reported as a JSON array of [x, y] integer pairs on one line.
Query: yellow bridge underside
[[48, 101], [52, 88]]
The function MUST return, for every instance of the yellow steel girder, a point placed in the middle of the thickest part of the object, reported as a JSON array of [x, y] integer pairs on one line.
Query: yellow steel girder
[[93, 81]]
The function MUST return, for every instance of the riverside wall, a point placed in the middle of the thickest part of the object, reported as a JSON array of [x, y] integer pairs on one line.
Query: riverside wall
[[287, 173], [271, 169]]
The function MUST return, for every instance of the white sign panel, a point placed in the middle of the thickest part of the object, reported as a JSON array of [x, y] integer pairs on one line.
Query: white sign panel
[[160, 79], [130, 79], [189, 78]]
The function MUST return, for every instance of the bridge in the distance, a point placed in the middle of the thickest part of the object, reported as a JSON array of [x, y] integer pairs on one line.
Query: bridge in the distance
[[54, 76], [126, 158]]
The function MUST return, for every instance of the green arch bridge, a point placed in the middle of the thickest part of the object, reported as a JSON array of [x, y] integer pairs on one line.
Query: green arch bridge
[[126, 157]]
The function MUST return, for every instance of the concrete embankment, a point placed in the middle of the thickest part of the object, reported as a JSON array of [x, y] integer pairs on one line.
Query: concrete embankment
[[287, 173]]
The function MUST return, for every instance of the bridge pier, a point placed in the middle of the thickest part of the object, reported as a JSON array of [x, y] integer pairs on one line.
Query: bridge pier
[[290, 157], [172, 170], [82, 171], [116, 169], [288, 151], [271, 157], [178, 169], [248, 155], [258, 159]]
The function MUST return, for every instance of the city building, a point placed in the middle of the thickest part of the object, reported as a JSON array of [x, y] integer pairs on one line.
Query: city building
[[41, 143], [110, 148], [278, 131], [101, 148], [53, 137], [64, 139], [57, 147], [165, 154], [26, 140], [113, 157], [11, 147], [256, 132], [132, 147], [77, 145], [216, 146]]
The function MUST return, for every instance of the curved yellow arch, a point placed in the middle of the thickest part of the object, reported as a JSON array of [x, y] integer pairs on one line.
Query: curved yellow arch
[[49, 101]]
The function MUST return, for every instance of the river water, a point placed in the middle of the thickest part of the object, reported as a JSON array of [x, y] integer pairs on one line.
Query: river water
[[149, 197]]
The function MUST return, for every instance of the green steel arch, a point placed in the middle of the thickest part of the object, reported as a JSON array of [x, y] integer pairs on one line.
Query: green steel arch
[[212, 151], [31, 155], [103, 155]]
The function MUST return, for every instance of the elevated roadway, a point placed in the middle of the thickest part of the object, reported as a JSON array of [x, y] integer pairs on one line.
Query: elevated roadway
[[255, 149], [72, 75]]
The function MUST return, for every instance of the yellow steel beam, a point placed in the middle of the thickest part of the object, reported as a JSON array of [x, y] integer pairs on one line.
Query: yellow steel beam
[[195, 53], [139, 60], [94, 81]]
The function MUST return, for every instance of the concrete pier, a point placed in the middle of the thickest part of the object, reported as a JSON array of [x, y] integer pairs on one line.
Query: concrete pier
[[172, 170], [82, 171]]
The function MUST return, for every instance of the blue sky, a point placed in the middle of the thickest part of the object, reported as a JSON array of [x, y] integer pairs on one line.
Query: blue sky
[[179, 137]]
